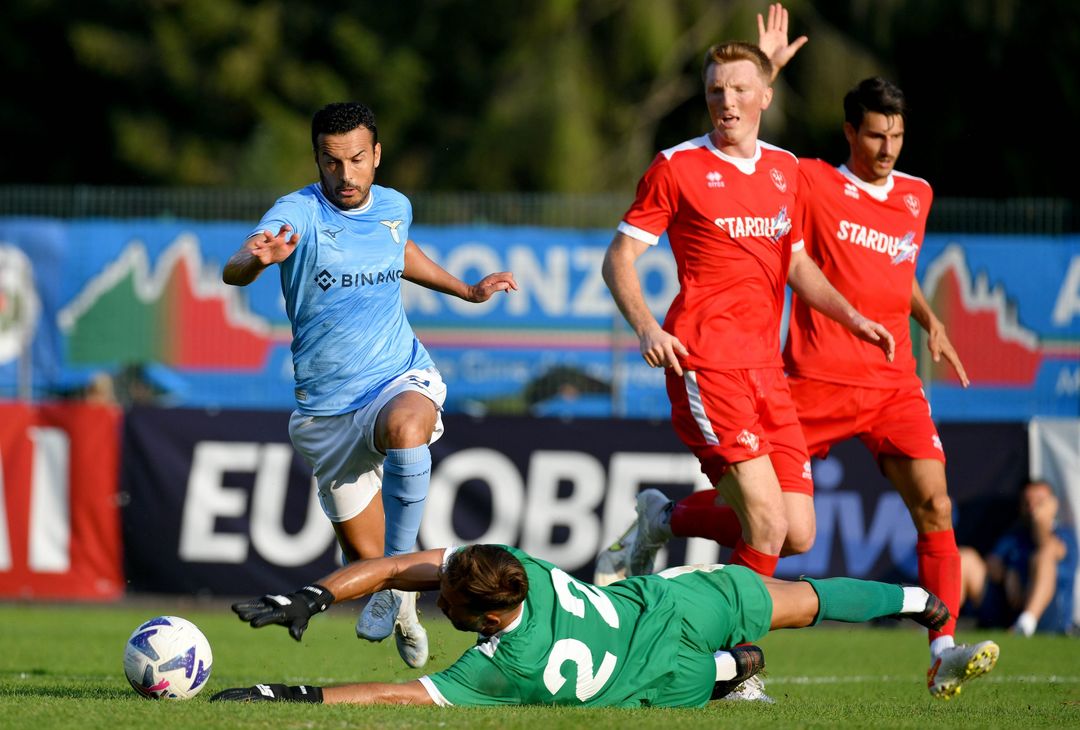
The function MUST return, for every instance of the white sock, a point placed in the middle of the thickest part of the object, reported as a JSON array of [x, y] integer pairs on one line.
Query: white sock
[[1025, 624], [940, 644], [915, 599], [725, 666]]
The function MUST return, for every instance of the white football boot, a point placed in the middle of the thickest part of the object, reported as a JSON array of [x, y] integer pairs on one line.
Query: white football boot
[[411, 638], [613, 562], [959, 664], [653, 530]]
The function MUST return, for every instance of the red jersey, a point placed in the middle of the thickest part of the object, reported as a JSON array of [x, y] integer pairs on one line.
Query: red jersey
[[731, 224], [866, 239]]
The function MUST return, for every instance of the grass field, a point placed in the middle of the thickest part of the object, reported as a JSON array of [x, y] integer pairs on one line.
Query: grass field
[[60, 667]]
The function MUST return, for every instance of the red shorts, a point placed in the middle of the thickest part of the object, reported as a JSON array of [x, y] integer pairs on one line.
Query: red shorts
[[890, 421], [728, 416]]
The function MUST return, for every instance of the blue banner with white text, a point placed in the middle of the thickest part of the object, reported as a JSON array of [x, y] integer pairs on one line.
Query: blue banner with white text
[[140, 305]]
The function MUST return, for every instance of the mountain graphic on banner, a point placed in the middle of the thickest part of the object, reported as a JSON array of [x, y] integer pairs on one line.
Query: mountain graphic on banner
[[181, 315], [983, 326]]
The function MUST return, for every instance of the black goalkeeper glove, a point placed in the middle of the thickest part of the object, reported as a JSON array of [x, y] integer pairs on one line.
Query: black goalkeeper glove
[[270, 693], [292, 610]]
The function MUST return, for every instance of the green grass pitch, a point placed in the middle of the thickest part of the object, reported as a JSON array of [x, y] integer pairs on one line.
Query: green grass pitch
[[60, 667]]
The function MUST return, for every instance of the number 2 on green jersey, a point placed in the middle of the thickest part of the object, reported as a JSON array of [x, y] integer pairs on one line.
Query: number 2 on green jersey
[[577, 652]]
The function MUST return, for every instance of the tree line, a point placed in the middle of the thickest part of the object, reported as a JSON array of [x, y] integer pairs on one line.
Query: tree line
[[517, 95]]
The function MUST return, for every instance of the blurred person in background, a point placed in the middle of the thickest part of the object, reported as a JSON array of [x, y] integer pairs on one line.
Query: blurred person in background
[[368, 394], [1027, 580]]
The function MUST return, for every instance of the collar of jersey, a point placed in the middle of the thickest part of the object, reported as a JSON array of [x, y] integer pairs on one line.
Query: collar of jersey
[[355, 211], [509, 627], [877, 192], [745, 165]]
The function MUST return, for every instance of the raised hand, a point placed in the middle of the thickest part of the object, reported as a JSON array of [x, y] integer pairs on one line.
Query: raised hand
[[273, 249], [773, 38], [292, 610]]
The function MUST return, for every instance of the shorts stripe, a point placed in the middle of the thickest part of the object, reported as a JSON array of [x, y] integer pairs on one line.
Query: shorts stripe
[[697, 408]]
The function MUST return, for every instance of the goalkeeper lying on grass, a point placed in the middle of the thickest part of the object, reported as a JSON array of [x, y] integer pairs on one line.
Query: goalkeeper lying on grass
[[547, 638]]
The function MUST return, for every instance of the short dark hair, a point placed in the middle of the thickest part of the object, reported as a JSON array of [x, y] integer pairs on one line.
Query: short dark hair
[[488, 577], [737, 51], [874, 95], [340, 118]]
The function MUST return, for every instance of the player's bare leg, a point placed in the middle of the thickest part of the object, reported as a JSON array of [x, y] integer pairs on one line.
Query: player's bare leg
[[802, 523], [752, 490], [922, 485], [807, 602], [361, 537], [403, 430]]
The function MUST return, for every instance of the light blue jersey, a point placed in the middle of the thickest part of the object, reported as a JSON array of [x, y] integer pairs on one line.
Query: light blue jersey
[[343, 296]]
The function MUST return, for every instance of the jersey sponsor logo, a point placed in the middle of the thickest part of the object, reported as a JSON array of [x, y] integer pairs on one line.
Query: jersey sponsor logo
[[748, 440], [807, 473], [325, 279], [333, 234], [745, 226], [912, 204], [778, 180], [851, 191], [714, 179], [908, 249], [900, 248], [937, 443], [393, 226]]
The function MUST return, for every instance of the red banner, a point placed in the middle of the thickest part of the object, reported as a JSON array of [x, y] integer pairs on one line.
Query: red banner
[[59, 519]]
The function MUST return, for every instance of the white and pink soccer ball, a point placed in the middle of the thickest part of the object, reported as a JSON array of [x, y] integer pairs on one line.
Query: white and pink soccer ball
[[167, 658]]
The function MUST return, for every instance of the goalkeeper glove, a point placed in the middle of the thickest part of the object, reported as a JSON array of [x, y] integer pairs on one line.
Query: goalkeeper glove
[[270, 693], [292, 610]]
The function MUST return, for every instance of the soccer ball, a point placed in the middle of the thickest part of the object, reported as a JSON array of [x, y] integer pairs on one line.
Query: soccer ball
[[167, 658]]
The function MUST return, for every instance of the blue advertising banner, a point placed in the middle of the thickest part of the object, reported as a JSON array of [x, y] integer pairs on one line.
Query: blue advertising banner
[[143, 302]]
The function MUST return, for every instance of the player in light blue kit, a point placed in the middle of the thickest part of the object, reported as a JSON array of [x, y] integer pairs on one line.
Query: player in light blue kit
[[367, 392]]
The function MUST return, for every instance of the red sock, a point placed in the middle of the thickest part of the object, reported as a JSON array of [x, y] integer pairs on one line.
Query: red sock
[[699, 516], [939, 572], [755, 560]]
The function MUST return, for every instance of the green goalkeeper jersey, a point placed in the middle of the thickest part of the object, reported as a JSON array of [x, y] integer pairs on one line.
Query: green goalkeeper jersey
[[641, 641]]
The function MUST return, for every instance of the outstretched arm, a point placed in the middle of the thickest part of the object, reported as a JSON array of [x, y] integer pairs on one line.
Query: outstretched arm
[[410, 572], [378, 693], [366, 693], [937, 341], [257, 253], [659, 348], [421, 270], [773, 38], [810, 284]]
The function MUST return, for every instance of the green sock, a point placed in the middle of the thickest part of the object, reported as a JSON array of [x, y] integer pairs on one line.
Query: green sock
[[854, 601]]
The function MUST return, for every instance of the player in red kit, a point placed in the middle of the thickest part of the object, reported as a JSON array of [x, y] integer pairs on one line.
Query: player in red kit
[[863, 224], [727, 202]]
